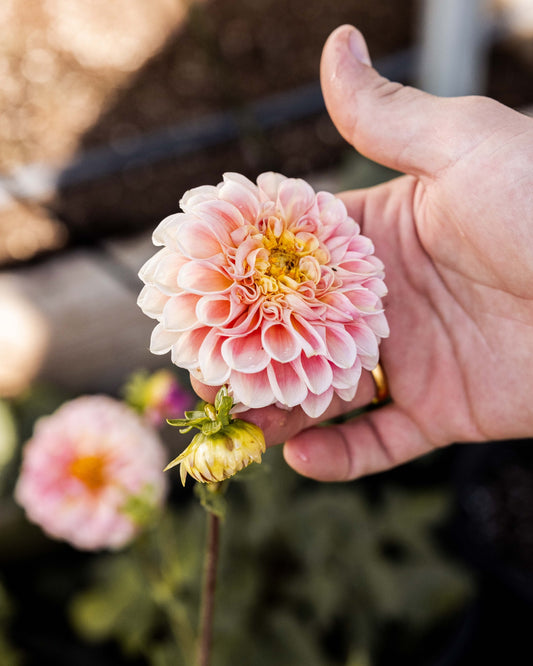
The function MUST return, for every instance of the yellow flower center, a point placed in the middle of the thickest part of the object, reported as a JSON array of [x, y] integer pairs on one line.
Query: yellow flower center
[[90, 470], [284, 263], [290, 260]]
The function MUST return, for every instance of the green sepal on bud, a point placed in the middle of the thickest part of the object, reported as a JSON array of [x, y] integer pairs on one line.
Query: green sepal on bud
[[209, 420], [223, 446]]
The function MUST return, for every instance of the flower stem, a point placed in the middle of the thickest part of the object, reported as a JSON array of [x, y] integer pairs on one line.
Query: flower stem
[[208, 595]]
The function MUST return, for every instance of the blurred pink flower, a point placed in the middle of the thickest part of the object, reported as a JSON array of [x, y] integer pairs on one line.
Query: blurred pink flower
[[90, 472], [268, 288]]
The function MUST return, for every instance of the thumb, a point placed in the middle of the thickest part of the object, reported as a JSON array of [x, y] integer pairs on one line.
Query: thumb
[[398, 126]]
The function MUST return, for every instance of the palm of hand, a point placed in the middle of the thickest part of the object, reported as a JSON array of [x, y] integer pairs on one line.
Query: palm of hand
[[456, 301]]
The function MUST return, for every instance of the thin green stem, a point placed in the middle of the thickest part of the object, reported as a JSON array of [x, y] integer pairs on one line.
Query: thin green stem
[[208, 593]]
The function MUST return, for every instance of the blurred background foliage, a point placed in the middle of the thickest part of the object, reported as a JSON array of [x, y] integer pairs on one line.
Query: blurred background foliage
[[310, 573], [321, 574]]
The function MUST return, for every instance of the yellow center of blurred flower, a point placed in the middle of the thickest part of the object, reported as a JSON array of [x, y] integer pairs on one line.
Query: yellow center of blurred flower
[[291, 259], [90, 470]]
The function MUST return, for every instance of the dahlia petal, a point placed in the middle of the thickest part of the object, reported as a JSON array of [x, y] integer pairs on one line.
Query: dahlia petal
[[280, 342], [343, 231], [234, 176], [269, 184], [240, 194], [340, 307], [364, 338], [332, 209], [245, 257], [295, 198], [253, 390], [288, 387], [245, 323], [245, 293], [378, 324], [180, 312], [203, 278], [217, 310], [376, 263], [315, 405], [246, 353], [186, 348], [300, 307], [213, 367], [307, 223], [197, 195], [162, 340], [316, 371], [162, 270], [309, 336], [272, 310], [221, 214], [166, 229], [377, 286], [152, 301], [197, 240], [360, 246], [150, 267], [363, 299], [328, 281], [347, 394], [310, 267], [341, 347], [337, 247], [359, 267], [346, 378]]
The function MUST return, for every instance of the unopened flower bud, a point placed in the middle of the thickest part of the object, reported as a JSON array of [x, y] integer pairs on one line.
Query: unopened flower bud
[[215, 457], [223, 446]]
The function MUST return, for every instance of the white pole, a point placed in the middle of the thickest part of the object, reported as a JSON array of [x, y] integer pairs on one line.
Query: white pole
[[453, 47]]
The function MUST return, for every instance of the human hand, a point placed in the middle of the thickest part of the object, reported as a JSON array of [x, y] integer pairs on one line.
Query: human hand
[[456, 237]]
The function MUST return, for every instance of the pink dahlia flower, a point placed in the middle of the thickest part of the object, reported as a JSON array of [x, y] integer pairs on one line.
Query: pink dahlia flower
[[269, 288], [90, 471]]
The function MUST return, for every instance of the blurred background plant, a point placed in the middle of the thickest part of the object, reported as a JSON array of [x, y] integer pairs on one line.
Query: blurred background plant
[[108, 112], [310, 573]]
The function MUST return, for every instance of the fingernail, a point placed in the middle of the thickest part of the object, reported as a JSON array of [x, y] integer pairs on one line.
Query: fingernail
[[358, 47]]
